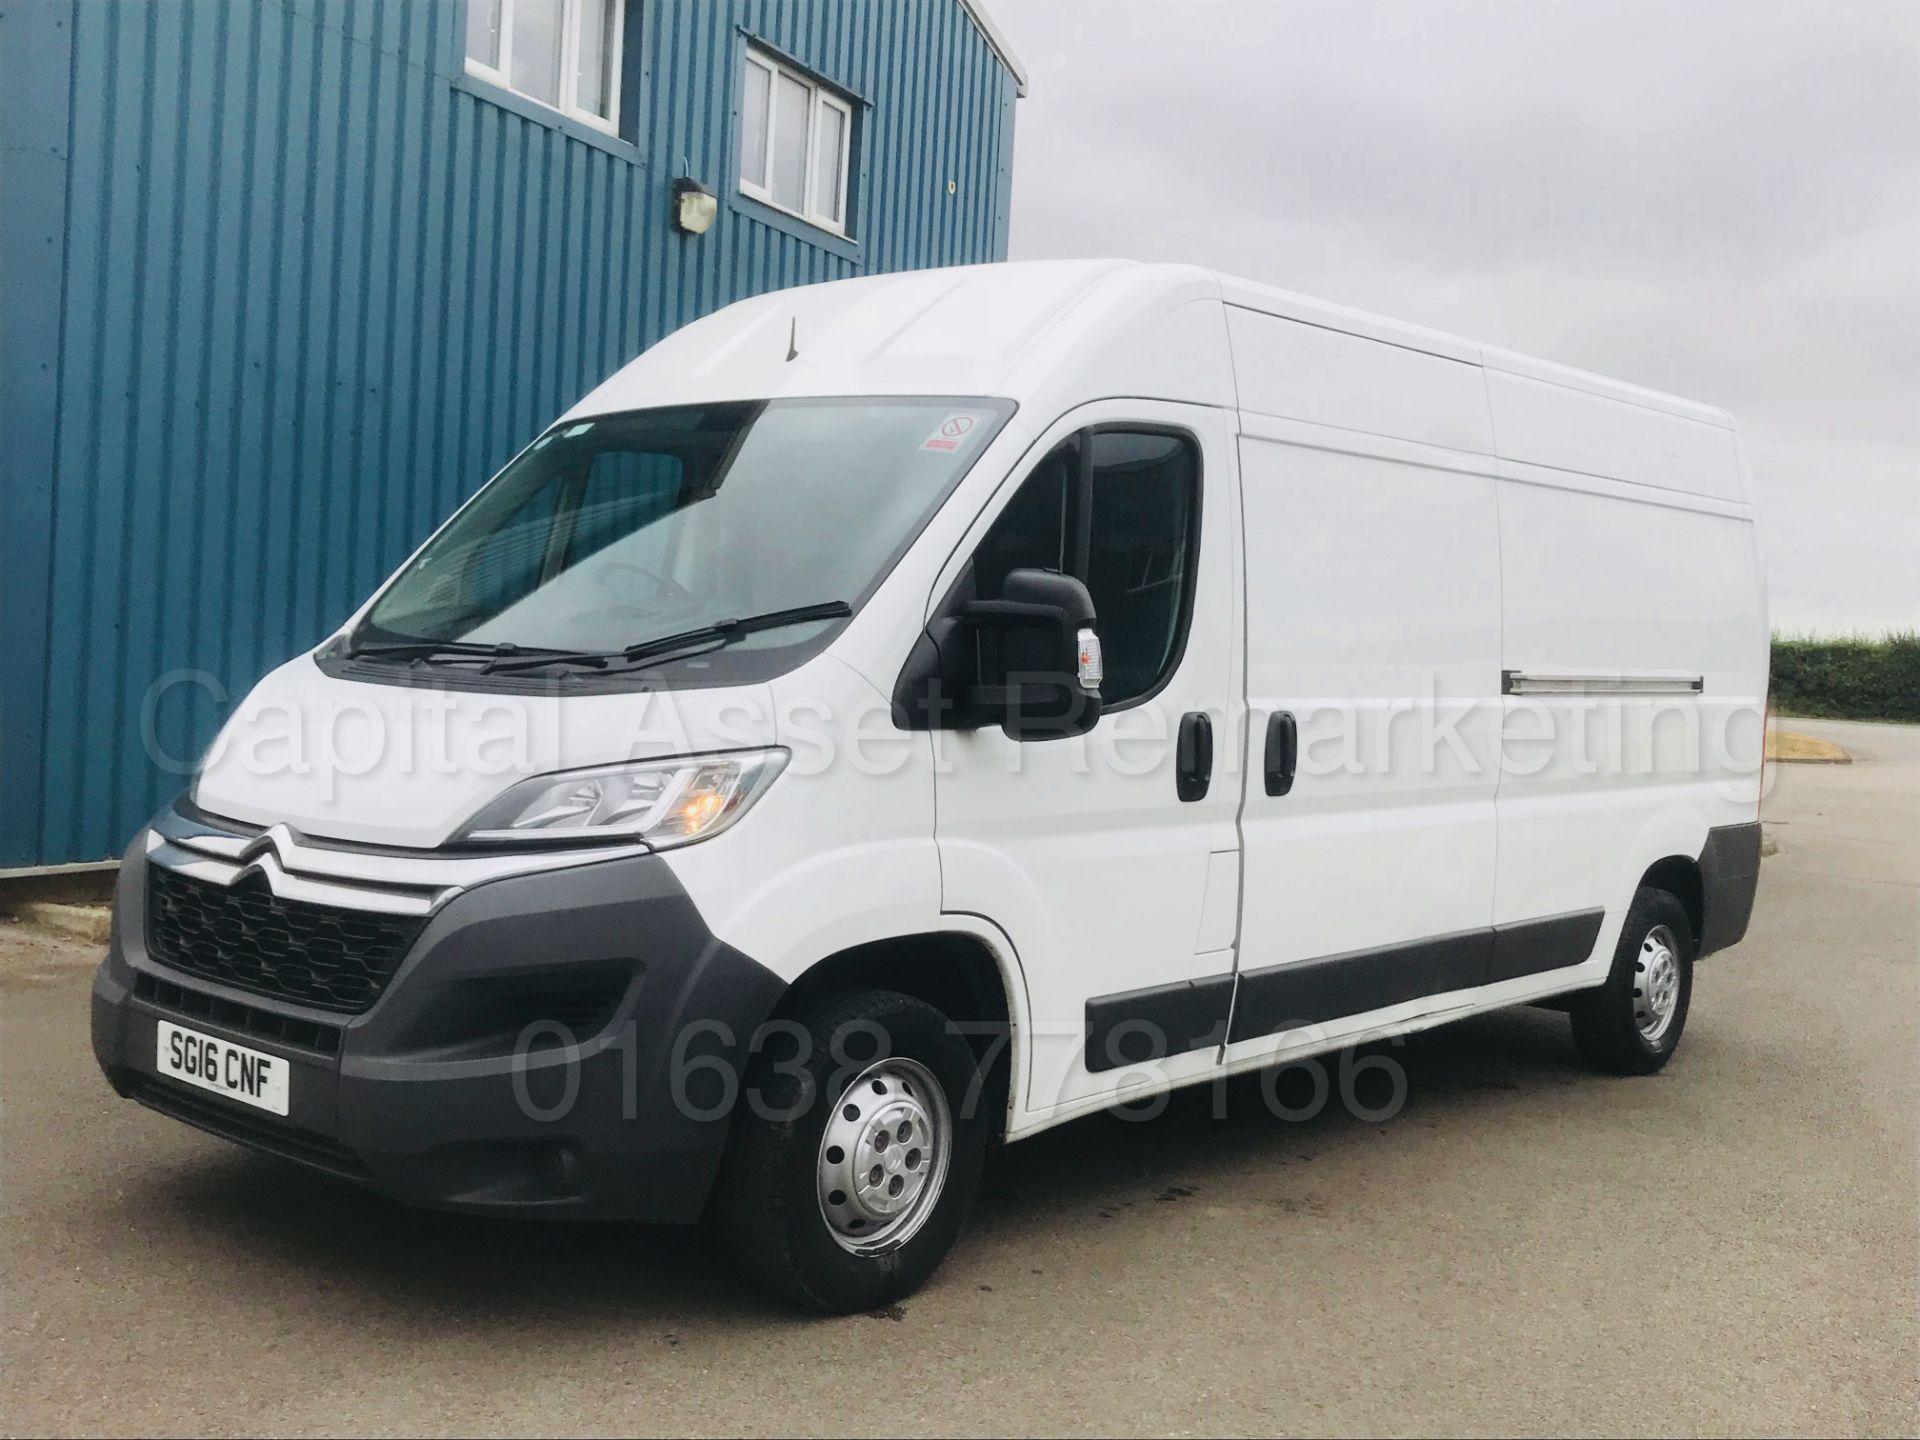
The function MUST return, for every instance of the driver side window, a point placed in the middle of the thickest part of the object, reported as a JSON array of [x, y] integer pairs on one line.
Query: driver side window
[[1118, 507]]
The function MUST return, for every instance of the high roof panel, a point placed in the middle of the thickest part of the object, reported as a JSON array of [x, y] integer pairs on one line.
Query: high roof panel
[[986, 329], [951, 331]]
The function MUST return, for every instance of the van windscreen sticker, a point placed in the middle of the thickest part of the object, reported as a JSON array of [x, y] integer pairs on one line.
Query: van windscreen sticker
[[950, 432]]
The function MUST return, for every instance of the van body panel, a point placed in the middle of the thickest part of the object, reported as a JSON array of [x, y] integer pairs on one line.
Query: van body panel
[[408, 764], [848, 856], [1567, 429], [1048, 333], [1267, 299], [1132, 336], [1220, 914], [1080, 848], [1636, 825], [1650, 588], [952, 331], [1305, 372], [1621, 584], [1373, 601], [1508, 362]]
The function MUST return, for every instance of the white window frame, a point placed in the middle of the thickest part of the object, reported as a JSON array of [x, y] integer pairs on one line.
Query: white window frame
[[569, 105], [819, 96]]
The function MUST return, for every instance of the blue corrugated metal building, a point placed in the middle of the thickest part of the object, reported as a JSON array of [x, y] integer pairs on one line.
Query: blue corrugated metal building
[[282, 280]]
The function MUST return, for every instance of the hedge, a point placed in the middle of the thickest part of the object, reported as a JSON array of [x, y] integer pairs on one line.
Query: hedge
[[1848, 677]]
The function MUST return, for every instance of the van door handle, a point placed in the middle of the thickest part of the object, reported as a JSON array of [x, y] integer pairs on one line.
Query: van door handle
[[1195, 768], [1283, 751]]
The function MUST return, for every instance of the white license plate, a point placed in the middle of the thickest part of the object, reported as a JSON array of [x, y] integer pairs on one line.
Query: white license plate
[[223, 1067]]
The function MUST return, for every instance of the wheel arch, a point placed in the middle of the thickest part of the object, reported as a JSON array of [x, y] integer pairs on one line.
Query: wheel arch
[[1680, 877], [963, 969]]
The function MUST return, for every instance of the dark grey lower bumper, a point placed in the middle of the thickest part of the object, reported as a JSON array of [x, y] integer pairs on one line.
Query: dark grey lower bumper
[[445, 1092], [1729, 879]]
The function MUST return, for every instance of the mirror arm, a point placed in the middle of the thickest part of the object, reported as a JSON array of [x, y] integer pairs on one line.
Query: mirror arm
[[1002, 612], [932, 693]]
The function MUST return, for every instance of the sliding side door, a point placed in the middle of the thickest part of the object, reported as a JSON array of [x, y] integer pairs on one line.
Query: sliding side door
[[1373, 682]]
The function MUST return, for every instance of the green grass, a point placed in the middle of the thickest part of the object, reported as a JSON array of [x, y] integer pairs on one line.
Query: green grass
[[1848, 677]]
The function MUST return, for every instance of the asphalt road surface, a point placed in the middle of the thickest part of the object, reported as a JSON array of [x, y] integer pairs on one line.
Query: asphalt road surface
[[1730, 1246]]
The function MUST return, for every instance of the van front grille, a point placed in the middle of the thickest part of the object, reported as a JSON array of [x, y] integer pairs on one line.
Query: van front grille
[[189, 1003], [246, 936]]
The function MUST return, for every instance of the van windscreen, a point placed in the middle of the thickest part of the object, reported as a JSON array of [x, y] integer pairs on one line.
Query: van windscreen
[[611, 532]]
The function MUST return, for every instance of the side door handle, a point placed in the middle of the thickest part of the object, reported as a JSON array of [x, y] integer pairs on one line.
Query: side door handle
[[1283, 751], [1194, 772]]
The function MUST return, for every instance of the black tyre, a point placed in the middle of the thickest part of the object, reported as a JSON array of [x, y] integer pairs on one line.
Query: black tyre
[[856, 1152], [1632, 1024]]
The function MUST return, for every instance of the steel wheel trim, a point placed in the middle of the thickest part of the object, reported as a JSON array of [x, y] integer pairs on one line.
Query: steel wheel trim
[[884, 1157], [1656, 984]]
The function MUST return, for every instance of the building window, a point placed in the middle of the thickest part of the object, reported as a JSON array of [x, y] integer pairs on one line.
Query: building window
[[562, 53], [796, 137]]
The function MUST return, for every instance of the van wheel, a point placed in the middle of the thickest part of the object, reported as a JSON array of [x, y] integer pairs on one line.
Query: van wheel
[[855, 1154], [1631, 1025]]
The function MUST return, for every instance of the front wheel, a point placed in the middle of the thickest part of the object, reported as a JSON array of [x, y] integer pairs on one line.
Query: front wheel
[[856, 1154], [1631, 1025]]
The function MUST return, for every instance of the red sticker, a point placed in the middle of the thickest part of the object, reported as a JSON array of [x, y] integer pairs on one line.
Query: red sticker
[[948, 434]]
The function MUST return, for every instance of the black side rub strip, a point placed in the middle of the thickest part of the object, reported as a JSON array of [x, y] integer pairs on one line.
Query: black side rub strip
[[1527, 947], [1312, 992], [1136, 1026]]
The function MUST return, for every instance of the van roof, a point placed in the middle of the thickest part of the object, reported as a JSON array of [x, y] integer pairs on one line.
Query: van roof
[[1272, 300], [997, 329]]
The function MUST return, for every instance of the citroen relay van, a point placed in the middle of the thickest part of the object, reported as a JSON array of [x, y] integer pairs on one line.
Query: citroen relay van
[[898, 715]]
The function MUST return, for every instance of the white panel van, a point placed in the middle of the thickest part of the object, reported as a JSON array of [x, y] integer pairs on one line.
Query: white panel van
[[896, 715]]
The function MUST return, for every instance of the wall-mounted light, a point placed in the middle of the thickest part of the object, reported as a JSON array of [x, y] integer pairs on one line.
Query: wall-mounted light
[[694, 207]]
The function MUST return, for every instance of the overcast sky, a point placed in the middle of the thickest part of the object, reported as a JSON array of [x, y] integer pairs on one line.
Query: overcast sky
[[1716, 199]]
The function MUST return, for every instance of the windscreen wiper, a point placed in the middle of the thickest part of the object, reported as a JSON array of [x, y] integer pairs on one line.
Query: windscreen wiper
[[684, 645], [435, 649]]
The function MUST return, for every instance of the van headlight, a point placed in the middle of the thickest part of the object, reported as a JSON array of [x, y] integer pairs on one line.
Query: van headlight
[[663, 802]]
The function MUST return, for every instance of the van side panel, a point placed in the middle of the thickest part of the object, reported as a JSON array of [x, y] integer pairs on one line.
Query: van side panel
[[1566, 428], [1373, 603], [1605, 580], [1304, 372], [1624, 583]]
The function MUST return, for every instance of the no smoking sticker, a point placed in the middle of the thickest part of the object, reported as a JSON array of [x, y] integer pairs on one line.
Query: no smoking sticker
[[948, 434]]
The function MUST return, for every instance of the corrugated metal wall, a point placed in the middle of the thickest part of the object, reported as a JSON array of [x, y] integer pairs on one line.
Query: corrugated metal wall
[[315, 285]]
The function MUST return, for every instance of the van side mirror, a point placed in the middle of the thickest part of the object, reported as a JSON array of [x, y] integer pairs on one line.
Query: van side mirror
[[1044, 681], [1027, 660]]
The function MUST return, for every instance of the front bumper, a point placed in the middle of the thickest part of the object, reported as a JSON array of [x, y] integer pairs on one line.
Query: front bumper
[[439, 1093]]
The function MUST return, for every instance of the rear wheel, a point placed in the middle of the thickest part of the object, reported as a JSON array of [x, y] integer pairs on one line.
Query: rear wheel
[[856, 1153], [1632, 1024]]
